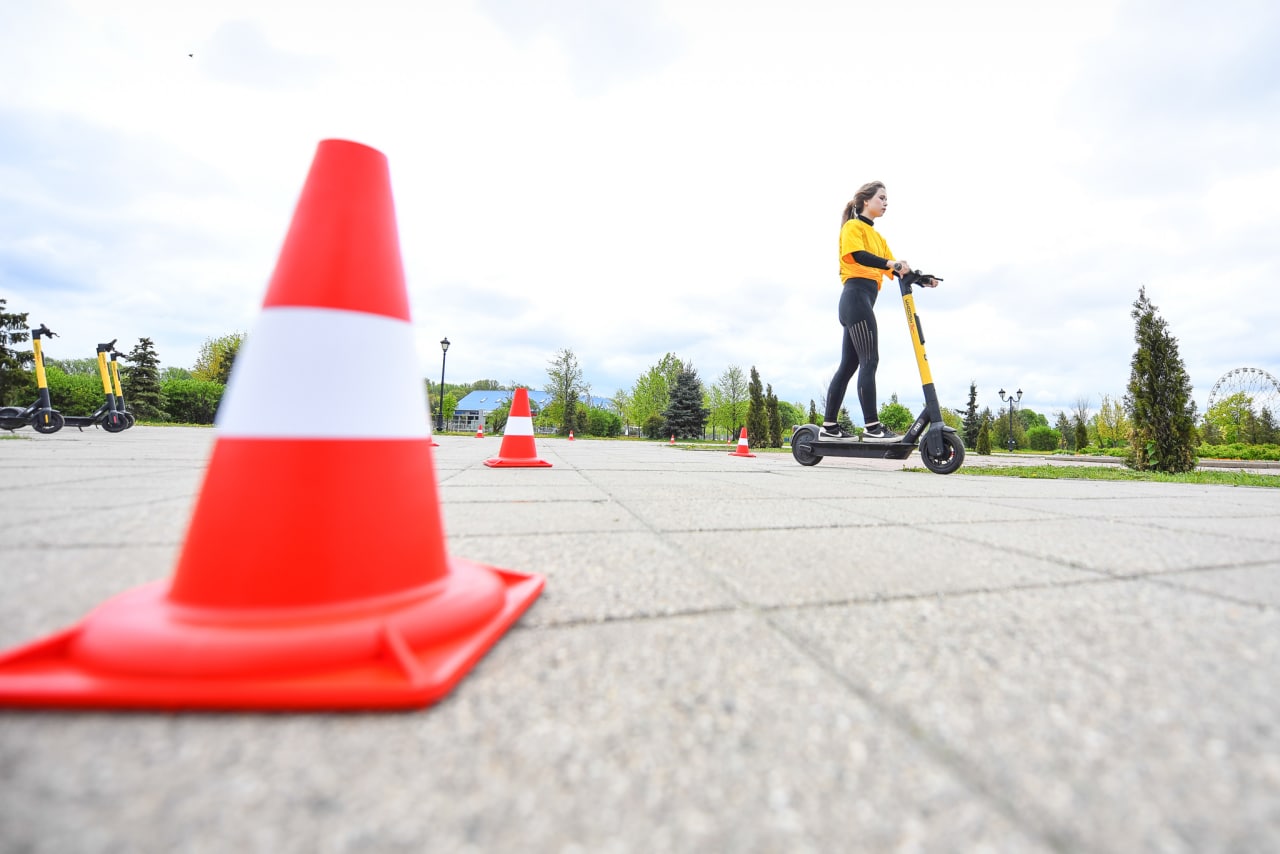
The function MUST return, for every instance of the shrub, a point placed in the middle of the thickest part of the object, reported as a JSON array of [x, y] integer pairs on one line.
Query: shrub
[[74, 394], [192, 401], [602, 422], [654, 427], [1044, 438]]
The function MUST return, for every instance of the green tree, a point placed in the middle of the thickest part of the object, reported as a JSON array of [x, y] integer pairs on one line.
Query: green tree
[[1111, 423], [789, 415], [843, 419], [652, 392], [216, 358], [1082, 434], [140, 382], [685, 414], [772, 418], [1267, 432], [983, 444], [734, 394], [894, 415], [1231, 416], [1063, 425], [972, 420], [566, 384], [17, 386], [1029, 418], [654, 427], [1158, 400], [757, 418], [75, 367], [813, 412]]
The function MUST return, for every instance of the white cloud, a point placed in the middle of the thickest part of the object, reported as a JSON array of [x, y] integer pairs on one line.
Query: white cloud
[[627, 180]]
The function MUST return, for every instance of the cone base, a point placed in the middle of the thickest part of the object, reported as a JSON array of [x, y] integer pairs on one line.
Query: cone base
[[513, 462], [740, 454], [392, 667]]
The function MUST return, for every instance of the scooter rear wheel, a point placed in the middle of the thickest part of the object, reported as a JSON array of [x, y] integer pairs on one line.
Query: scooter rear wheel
[[9, 418], [801, 446], [115, 423], [47, 421], [950, 459]]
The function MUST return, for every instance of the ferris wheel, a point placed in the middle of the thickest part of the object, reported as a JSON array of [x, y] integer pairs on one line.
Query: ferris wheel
[[1262, 388]]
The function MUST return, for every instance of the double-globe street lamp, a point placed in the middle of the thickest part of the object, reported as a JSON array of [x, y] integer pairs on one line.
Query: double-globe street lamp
[[444, 354], [1011, 442]]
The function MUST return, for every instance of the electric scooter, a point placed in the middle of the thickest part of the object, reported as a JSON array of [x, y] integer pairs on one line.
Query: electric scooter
[[129, 418], [107, 415], [40, 415], [941, 448]]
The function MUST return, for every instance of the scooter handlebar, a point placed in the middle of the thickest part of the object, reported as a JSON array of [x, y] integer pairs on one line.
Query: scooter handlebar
[[44, 330], [916, 277]]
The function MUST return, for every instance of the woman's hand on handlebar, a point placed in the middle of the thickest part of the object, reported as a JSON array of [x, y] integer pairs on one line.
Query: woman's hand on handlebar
[[900, 267]]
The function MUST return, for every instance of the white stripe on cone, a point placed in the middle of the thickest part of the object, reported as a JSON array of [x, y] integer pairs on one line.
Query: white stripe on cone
[[518, 425], [321, 373]]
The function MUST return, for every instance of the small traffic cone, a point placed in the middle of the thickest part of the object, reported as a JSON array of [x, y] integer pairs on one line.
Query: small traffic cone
[[480, 431], [570, 435], [517, 448], [314, 573], [673, 438], [744, 450]]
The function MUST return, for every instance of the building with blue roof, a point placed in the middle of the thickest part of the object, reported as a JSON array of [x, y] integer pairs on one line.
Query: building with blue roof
[[477, 405]]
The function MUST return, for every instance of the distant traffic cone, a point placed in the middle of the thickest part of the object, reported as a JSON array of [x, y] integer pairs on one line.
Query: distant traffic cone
[[314, 573], [673, 438], [517, 448], [480, 431], [744, 449], [570, 435]]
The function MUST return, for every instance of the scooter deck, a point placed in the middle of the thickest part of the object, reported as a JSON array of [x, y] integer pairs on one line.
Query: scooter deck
[[877, 450]]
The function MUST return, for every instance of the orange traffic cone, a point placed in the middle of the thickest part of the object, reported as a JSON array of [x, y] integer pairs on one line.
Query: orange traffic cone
[[673, 438], [314, 573], [744, 450], [570, 435], [480, 431], [517, 448]]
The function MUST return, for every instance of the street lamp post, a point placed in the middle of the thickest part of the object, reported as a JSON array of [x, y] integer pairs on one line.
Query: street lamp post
[[1011, 442], [444, 354]]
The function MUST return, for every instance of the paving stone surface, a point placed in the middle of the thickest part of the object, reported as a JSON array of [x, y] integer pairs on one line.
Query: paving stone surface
[[731, 654]]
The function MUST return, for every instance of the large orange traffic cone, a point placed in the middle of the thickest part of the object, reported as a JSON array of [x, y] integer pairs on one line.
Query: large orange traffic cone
[[517, 449], [314, 573], [744, 449]]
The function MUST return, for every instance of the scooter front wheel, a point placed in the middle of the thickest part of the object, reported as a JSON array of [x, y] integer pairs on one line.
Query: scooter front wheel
[[115, 423], [47, 421], [949, 460]]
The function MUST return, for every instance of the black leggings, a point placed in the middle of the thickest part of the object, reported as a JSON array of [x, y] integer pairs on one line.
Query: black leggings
[[861, 348]]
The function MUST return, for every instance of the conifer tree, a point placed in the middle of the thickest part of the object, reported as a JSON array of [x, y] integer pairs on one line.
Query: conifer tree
[[1063, 426], [813, 413], [757, 419], [1158, 399], [983, 443], [14, 380], [685, 414], [141, 382], [972, 421], [773, 418]]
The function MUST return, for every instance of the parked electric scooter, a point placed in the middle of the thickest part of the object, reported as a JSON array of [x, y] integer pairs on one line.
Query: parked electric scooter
[[107, 414], [129, 418], [940, 448], [41, 415]]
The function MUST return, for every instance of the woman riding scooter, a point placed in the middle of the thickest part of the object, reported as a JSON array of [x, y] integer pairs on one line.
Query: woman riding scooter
[[865, 259]]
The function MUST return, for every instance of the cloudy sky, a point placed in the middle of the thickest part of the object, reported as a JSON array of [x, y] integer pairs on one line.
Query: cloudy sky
[[627, 179]]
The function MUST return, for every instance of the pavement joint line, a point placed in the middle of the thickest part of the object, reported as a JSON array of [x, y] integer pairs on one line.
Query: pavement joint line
[[1164, 581], [901, 719]]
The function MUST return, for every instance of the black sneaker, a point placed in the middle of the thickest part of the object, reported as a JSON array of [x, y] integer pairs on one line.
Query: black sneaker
[[879, 433], [834, 434]]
